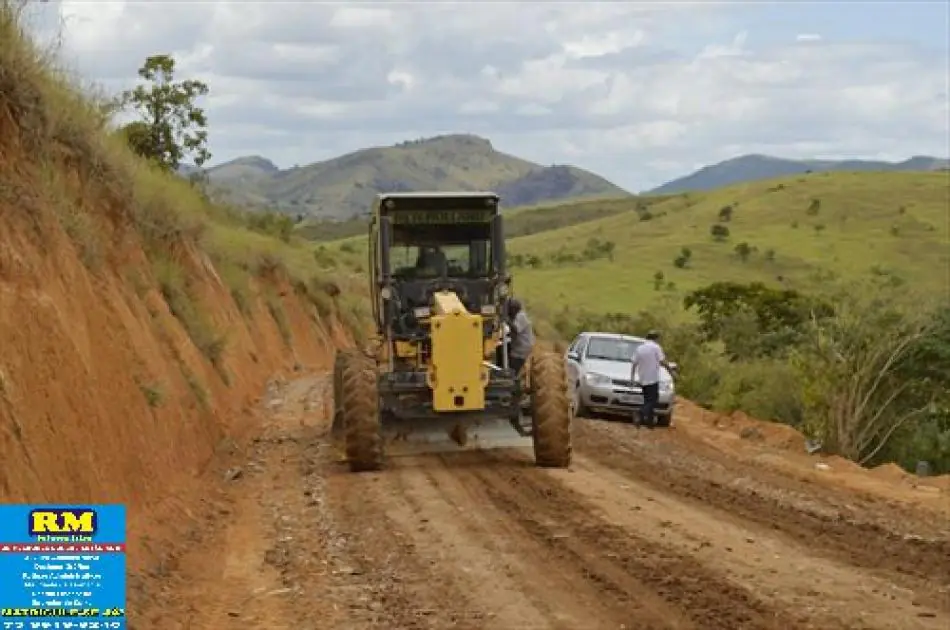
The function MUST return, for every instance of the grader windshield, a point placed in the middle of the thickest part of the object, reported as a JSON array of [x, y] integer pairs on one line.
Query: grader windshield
[[433, 251]]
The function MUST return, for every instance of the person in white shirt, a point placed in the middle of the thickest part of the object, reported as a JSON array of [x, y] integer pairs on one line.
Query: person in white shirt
[[647, 359]]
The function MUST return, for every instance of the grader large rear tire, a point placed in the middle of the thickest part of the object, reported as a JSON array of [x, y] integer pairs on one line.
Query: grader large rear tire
[[364, 444], [550, 411]]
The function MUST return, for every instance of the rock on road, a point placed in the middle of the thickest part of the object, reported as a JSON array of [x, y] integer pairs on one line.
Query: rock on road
[[648, 530]]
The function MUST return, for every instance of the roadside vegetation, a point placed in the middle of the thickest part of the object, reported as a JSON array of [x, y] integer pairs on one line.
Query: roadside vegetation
[[857, 369], [107, 184], [842, 332]]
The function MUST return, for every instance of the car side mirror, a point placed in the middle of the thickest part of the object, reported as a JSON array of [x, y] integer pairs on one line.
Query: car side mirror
[[674, 368], [574, 356]]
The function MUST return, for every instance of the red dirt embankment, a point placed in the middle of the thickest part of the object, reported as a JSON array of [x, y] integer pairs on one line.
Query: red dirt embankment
[[781, 446], [103, 395]]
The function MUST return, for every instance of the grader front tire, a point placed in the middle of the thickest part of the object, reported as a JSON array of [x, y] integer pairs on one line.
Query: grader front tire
[[550, 411], [364, 444]]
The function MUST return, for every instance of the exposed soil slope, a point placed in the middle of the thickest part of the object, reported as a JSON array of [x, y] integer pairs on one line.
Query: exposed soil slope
[[104, 397]]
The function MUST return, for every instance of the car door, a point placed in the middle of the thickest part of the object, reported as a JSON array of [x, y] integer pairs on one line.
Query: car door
[[570, 360], [573, 360]]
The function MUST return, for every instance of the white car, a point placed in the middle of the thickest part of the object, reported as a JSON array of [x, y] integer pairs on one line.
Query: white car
[[598, 369]]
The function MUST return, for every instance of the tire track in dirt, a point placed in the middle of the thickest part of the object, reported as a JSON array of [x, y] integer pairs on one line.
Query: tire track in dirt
[[830, 593], [661, 587], [377, 546], [817, 518], [460, 538], [477, 547]]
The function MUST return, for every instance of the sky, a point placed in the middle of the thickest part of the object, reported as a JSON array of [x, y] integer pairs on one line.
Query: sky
[[637, 92]]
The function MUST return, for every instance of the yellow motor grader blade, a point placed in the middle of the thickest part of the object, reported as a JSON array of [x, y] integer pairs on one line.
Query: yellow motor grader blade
[[446, 435]]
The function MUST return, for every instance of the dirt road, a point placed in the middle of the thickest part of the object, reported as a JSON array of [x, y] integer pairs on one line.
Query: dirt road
[[649, 530]]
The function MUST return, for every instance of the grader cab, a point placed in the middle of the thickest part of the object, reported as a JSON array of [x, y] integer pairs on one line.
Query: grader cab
[[438, 381]]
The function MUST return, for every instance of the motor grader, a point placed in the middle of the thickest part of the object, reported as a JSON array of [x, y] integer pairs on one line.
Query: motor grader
[[438, 378]]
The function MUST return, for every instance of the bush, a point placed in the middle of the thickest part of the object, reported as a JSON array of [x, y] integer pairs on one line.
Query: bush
[[719, 232], [682, 261], [743, 251], [762, 388], [173, 285], [872, 371], [752, 319], [276, 310]]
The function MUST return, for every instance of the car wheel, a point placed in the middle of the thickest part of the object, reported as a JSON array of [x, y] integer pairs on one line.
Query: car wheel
[[577, 406]]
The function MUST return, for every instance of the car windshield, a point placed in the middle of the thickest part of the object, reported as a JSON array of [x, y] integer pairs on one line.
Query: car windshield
[[607, 349]]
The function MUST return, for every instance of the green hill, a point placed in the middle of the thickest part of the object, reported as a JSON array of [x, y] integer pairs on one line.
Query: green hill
[[801, 232], [345, 187]]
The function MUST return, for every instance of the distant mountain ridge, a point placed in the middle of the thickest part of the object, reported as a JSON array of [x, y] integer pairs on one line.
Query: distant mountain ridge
[[747, 168], [344, 187]]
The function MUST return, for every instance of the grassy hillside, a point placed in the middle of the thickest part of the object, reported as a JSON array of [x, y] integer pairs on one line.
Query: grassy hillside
[[749, 168], [802, 232], [346, 186]]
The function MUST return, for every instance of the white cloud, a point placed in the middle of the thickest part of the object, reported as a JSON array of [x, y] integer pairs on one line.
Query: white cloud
[[639, 92]]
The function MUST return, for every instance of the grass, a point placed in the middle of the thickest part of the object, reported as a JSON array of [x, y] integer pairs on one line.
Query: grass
[[277, 312], [153, 393], [858, 212], [71, 164], [175, 288]]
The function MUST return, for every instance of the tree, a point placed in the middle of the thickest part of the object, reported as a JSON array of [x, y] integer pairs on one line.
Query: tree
[[683, 259], [170, 125], [725, 214], [743, 250], [658, 278], [776, 318], [719, 232], [871, 371]]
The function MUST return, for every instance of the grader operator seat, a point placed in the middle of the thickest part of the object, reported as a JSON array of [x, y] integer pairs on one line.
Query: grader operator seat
[[439, 291]]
